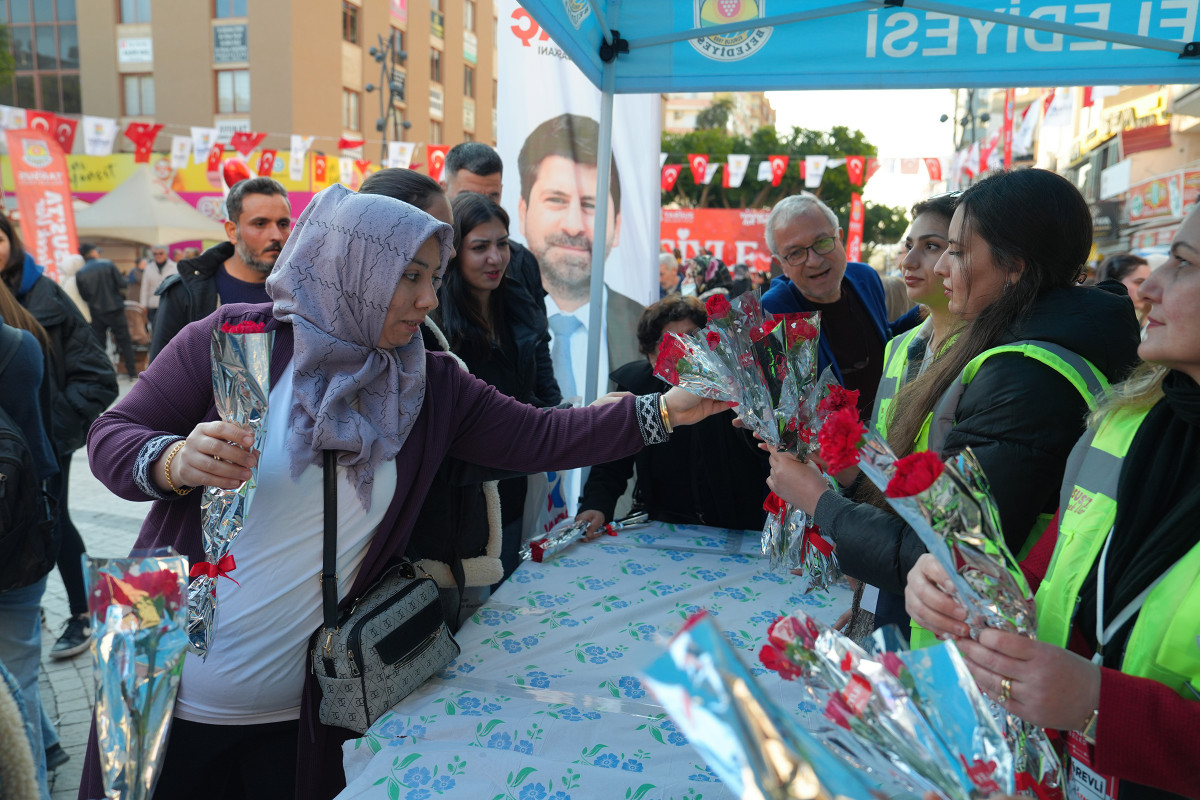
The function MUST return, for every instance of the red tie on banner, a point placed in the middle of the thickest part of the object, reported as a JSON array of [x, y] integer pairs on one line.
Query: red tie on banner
[[436, 155], [266, 162], [318, 164], [64, 132], [1009, 102], [245, 141], [142, 134], [699, 164], [779, 165], [934, 167], [346, 143], [670, 174], [213, 167], [855, 168], [40, 177], [854, 240], [42, 121]]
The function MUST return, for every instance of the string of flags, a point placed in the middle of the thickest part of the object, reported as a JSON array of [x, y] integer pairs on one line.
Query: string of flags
[[811, 169]]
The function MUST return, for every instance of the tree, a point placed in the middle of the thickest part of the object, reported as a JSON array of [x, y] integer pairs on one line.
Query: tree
[[8, 64], [715, 116], [882, 224]]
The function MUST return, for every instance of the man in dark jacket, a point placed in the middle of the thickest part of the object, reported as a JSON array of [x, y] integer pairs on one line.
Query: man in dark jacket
[[102, 287], [259, 222]]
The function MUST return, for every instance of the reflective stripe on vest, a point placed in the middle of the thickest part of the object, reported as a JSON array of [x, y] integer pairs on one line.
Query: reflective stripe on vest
[[895, 365], [1162, 644]]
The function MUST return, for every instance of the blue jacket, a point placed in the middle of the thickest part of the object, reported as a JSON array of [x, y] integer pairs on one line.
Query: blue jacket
[[784, 298]]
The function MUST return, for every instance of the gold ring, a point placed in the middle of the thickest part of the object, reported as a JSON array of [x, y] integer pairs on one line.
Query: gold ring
[[1005, 690]]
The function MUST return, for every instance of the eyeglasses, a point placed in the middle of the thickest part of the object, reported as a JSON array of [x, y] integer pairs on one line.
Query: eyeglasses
[[799, 255]]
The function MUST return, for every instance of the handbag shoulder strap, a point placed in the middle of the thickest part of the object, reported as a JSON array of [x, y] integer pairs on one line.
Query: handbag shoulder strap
[[329, 581]]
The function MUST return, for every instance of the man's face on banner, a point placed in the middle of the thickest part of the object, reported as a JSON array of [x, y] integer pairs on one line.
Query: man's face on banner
[[557, 223]]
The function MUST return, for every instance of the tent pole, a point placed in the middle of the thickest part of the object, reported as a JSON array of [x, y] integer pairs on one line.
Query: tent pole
[[600, 234], [601, 20]]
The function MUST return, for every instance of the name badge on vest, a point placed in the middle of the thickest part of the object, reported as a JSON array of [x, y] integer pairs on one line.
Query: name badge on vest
[[1083, 782]]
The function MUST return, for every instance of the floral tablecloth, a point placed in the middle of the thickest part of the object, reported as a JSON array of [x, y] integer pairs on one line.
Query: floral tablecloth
[[544, 703]]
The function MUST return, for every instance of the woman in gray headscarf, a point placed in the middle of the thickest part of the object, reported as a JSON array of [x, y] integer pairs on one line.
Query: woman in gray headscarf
[[351, 288]]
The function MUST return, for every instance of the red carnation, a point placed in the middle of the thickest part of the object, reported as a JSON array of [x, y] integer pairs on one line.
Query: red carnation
[[670, 352], [839, 397], [774, 660], [246, 326], [760, 332], [713, 338], [840, 438], [718, 307], [914, 474], [800, 329]]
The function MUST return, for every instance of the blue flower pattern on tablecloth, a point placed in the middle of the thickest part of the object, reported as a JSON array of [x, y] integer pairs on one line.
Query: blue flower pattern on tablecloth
[[705, 775], [631, 687], [494, 618], [631, 765], [442, 783], [534, 791], [524, 746], [638, 568], [680, 555], [418, 794], [417, 776], [706, 575], [770, 577], [594, 584], [573, 714], [607, 760], [527, 576], [500, 741]]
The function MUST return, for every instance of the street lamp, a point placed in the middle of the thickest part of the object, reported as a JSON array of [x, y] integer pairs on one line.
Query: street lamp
[[391, 79]]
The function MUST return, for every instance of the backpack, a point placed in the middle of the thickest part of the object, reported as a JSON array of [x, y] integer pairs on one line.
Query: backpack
[[28, 534]]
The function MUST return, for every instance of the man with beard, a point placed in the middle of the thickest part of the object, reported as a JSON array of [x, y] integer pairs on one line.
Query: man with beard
[[258, 224], [556, 214]]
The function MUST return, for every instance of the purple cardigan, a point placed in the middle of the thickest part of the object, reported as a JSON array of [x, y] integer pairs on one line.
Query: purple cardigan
[[461, 417]]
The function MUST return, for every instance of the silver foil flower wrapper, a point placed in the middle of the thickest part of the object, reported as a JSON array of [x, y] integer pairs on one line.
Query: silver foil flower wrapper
[[138, 645], [241, 373], [568, 533], [758, 751], [959, 524]]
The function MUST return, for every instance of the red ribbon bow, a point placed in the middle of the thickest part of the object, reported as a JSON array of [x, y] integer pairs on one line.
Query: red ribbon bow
[[223, 567], [773, 504], [813, 537]]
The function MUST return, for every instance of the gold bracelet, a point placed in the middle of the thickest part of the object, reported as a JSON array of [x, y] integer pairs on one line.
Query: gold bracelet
[[662, 411], [167, 470]]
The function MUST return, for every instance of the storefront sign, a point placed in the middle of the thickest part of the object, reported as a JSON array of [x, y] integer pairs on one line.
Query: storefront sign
[[1159, 198], [230, 44], [135, 50]]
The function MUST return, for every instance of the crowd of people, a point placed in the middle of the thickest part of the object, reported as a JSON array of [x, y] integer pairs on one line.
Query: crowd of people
[[444, 404]]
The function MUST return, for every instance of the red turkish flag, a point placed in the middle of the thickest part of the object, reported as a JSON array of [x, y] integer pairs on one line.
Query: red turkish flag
[[43, 121], [934, 167], [872, 167], [142, 134], [318, 162], [213, 165], [802, 167], [670, 174], [856, 167], [346, 143], [779, 165], [436, 155], [64, 132], [245, 141], [908, 166], [266, 162], [364, 165], [699, 164]]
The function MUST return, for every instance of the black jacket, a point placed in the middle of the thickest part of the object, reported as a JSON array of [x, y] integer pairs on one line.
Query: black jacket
[[705, 474], [102, 286], [1020, 418], [188, 296], [84, 380], [523, 267]]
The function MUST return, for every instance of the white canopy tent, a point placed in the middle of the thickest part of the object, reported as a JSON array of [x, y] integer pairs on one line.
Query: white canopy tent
[[741, 45], [144, 210]]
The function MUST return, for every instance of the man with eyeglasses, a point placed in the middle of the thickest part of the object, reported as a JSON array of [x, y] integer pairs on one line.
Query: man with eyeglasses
[[804, 238]]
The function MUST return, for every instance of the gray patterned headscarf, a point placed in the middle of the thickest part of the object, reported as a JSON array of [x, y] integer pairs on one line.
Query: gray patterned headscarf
[[333, 282]]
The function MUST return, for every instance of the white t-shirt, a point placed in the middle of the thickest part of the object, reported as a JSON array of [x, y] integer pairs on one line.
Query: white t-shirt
[[255, 669]]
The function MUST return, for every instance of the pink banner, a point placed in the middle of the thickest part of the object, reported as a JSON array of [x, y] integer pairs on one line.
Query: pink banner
[[43, 187]]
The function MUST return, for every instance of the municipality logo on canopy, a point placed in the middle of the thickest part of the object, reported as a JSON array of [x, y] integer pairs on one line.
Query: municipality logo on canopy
[[736, 45]]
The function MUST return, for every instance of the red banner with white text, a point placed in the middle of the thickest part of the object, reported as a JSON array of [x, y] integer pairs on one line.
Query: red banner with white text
[[734, 236], [43, 188], [855, 238]]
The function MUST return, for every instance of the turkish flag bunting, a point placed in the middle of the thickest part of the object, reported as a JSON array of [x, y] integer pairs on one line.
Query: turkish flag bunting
[[363, 165], [699, 164], [245, 141], [803, 167], [779, 165], [142, 134], [64, 132], [856, 167], [934, 167], [319, 167], [872, 168], [214, 159], [266, 162], [436, 153], [670, 174], [346, 143], [43, 121]]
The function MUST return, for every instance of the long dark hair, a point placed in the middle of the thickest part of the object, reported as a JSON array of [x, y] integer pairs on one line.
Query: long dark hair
[[462, 319], [1028, 218], [12, 271]]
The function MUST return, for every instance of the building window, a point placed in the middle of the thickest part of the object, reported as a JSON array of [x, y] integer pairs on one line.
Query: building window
[[135, 11], [351, 118], [224, 9], [399, 52], [469, 15], [46, 50], [468, 81], [435, 66], [435, 5], [233, 91], [139, 95], [349, 22], [435, 131]]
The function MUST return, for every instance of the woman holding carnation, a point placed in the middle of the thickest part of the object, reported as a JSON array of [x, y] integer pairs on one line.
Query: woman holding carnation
[[1014, 386], [349, 374], [1116, 662]]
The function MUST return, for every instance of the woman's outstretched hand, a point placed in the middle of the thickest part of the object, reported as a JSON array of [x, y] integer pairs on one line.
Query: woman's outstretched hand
[[214, 454], [798, 482], [685, 408]]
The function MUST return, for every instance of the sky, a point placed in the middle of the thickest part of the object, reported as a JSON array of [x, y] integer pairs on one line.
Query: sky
[[902, 123]]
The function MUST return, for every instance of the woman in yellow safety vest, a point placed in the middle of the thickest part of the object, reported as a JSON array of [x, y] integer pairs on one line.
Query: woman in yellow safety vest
[[1015, 386], [1122, 591]]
